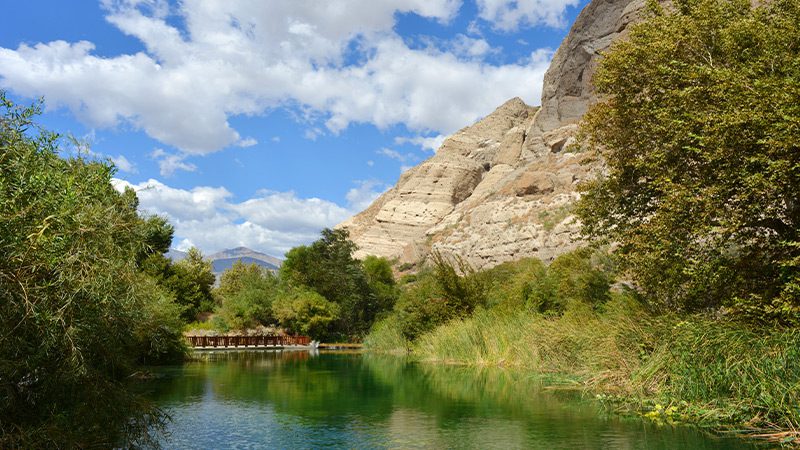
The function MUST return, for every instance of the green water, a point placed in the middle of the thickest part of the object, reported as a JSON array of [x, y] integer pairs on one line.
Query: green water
[[298, 400]]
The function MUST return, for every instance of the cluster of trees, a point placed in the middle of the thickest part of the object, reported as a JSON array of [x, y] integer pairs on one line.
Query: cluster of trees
[[321, 291], [78, 309], [700, 132]]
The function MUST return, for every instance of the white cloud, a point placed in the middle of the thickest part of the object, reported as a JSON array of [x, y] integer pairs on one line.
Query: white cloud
[[394, 154], [273, 222], [466, 46], [431, 143], [249, 142], [284, 211], [244, 58], [123, 164], [509, 15], [184, 245], [361, 196], [169, 163]]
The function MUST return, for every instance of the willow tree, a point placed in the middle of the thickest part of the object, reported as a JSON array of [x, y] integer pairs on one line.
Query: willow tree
[[699, 127], [76, 313]]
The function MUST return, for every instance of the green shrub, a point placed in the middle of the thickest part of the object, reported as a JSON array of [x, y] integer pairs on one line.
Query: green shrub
[[245, 294], [303, 311]]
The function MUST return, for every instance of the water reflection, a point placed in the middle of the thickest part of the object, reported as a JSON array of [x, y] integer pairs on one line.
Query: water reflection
[[300, 400]]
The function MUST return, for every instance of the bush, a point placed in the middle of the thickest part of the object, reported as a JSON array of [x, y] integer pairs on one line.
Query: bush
[[304, 311], [363, 291], [246, 293], [386, 336], [438, 295]]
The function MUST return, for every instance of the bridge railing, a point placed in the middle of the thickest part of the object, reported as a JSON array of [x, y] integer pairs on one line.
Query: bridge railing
[[247, 341]]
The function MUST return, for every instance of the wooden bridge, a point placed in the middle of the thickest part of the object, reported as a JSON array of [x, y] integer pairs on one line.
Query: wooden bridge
[[264, 341]]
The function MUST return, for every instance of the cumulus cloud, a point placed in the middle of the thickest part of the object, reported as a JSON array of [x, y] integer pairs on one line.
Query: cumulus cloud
[[394, 154], [471, 47], [431, 143], [360, 197], [272, 222], [339, 61], [169, 163], [509, 15], [249, 142], [124, 165]]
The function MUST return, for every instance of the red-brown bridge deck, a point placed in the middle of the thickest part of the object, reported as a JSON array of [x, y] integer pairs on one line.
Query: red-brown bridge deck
[[247, 341]]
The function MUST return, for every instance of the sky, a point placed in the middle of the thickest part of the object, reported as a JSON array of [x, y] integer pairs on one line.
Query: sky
[[258, 123]]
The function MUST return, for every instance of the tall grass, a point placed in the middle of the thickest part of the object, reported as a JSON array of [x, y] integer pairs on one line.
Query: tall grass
[[580, 342], [709, 372], [387, 337], [564, 319], [723, 372]]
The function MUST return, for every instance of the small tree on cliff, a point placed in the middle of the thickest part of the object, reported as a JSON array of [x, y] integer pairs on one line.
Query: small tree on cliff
[[700, 131]]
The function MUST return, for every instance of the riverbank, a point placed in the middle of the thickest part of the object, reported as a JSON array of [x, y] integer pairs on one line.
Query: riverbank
[[708, 372]]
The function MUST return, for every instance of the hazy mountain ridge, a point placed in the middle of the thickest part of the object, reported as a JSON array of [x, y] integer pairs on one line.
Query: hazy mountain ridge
[[225, 259]]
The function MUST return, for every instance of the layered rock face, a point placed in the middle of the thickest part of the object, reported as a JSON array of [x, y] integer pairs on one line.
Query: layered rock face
[[502, 189]]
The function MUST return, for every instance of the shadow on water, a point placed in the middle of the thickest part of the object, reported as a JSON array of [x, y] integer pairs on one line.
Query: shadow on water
[[301, 400]]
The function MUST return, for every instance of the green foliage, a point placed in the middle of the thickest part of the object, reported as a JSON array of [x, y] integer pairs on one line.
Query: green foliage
[[444, 292], [156, 234], [576, 276], [699, 131], [453, 290], [159, 327], [303, 311], [381, 282], [670, 368], [246, 293], [189, 280], [328, 267], [715, 371], [386, 336], [74, 308]]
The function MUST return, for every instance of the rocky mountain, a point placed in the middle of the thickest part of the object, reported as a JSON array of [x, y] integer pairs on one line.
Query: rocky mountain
[[225, 259], [246, 253], [175, 255], [502, 189]]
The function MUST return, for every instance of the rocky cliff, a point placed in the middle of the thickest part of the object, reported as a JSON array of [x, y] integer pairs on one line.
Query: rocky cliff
[[502, 189]]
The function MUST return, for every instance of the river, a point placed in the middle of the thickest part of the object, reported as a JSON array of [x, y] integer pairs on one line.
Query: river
[[297, 400]]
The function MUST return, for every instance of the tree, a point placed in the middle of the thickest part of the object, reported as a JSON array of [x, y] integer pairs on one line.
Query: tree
[[189, 280], [197, 278], [449, 289], [75, 310], [302, 310], [381, 282], [245, 294], [699, 129], [328, 267]]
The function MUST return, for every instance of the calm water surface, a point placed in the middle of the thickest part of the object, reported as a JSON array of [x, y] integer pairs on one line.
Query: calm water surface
[[298, 400]]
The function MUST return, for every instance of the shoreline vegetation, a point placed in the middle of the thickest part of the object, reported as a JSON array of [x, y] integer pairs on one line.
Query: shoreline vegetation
[[711, 371]]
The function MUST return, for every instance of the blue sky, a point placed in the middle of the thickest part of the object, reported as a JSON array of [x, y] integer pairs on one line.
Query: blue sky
[[258, 123]]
